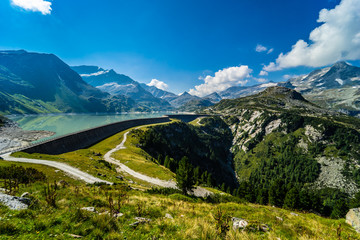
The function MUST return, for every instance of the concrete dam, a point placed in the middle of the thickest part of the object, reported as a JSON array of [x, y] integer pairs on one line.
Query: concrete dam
[[86, 138]]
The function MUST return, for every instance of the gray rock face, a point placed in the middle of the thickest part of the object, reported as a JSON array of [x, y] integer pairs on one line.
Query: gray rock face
[[353, 218], [14, 203]]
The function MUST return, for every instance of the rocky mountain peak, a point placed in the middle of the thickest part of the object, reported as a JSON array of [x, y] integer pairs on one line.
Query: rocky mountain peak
[[341, 64], [282, 92], [185, 94]]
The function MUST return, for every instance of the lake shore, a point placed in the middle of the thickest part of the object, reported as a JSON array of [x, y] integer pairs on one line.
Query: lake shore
[[12, 136]]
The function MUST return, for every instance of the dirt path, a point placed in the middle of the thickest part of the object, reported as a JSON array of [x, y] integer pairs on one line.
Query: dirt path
[[198, 191], [73, 172]]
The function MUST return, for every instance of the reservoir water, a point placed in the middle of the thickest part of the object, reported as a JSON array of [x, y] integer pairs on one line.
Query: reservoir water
[[63, 124]]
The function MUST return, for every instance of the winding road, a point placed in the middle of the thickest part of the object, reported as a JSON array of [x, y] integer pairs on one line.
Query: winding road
[[198, 191], [78, 174], [73, 172]]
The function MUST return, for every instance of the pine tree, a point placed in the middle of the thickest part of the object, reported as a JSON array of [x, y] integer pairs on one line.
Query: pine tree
[[197, 175], [222, 188], [277, 193], [292, 199], [160, 159], [340, 209], [209, 181], [184, 176], [167, 162]]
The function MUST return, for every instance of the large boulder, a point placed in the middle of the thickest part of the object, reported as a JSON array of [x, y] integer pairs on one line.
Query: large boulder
[[353, 218]]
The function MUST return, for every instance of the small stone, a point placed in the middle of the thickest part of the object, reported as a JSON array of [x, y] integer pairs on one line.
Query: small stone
[[25, 194], [57, 170], [141, 219], [353, 218], [74, 235], [105, 212], [265, 227], [239, 223], [130, 181], [89, 209], [294, 214], [167, 215], [279, 218], [116, 215]]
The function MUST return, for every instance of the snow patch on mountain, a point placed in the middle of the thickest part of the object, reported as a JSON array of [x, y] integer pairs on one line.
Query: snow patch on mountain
[[271, 84], [95, 74], [340, 81]]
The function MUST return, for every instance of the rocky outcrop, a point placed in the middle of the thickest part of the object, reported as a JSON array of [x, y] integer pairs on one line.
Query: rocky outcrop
[[353, 218], [14, 203], [331, 175]]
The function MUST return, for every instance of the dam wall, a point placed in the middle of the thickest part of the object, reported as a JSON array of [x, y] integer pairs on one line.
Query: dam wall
[[187, 117], [86, 138], [89, 137]]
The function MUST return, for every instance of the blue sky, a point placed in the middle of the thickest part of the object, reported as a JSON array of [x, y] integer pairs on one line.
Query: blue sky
[[205, 43]]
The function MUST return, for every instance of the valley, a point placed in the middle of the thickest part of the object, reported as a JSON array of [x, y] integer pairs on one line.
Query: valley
[[259, 146]]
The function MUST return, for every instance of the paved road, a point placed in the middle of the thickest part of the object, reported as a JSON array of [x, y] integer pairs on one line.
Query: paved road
[[74, 172]]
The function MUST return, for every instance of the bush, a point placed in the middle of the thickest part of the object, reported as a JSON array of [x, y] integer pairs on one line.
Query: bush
[[21, 174]]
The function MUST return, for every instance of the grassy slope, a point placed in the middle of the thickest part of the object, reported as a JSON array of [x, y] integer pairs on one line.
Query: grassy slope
[[192, 218], [133, 157]]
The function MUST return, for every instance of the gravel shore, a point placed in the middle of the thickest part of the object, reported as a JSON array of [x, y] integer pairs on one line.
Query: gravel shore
[[12, 136]]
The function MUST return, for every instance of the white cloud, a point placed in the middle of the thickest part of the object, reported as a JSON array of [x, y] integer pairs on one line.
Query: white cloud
[[222, 80], [159, 84], [338, 38], [263, 73], [288, 76], [260, 48], [261, 80], [34, 5]]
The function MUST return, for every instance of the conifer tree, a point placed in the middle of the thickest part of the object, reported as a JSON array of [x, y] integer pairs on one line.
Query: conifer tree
[[184, 176]]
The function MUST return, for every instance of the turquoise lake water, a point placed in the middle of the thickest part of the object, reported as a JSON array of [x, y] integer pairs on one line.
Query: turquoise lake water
[[63, 124]]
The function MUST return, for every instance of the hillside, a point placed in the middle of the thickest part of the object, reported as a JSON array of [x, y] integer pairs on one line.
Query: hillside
[[132, 209], [195, 105], [282, 141], [42, 83], [170, 142]]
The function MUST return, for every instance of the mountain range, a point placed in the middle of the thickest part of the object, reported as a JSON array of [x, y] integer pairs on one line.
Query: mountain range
[[336, 87], [43, 83], [118, 84], [40, 83]]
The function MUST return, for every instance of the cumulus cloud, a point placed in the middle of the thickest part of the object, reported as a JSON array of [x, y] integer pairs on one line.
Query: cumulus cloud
[[222, 80], [261, 48], [263, 73], [34, 5], [338, 38], [159, 84]]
